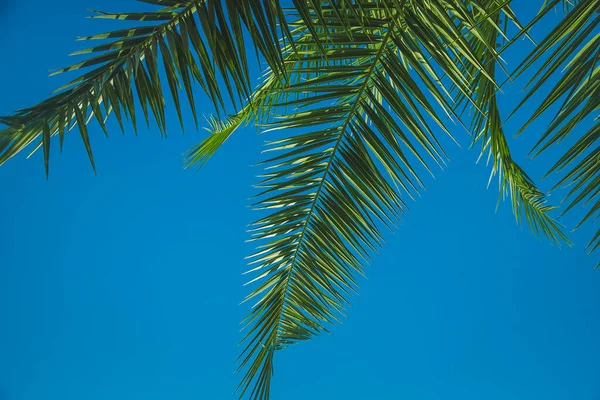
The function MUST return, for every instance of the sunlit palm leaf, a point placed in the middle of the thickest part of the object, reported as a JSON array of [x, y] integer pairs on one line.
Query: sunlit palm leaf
[[364, 140]]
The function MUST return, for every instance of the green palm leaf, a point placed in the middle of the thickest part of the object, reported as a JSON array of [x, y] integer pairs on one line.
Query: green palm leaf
[[574, 45], [364, 140], [191, 40], [528, 202]]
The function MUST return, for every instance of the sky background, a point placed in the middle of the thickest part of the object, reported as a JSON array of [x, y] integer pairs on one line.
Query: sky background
[[126, 285]]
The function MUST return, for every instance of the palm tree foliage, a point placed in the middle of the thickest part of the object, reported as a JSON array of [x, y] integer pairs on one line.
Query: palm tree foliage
[[356, 98], [575, 46], [197, 41]]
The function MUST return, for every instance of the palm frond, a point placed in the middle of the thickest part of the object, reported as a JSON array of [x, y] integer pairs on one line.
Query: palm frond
[[571, 55], [363, 140], [191, 40], [528, 202]]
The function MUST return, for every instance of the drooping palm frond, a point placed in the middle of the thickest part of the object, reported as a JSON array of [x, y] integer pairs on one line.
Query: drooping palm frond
[[366, 104], [574, 46], [528, 202], [191, 40]]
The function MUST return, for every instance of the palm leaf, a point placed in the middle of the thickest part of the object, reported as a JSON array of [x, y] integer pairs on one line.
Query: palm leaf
[[574, 46], [528, 202], [191, 40], [364, 138]]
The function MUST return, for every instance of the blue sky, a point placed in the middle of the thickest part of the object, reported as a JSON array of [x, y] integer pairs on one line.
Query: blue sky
[[126, 285]]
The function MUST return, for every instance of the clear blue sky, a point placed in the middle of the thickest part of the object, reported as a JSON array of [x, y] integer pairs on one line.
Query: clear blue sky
[[126, 285]]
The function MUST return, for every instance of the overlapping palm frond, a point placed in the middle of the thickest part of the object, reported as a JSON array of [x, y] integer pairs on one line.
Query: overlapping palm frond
[[528, 202], [368, 96], [190, 40], [571, 56]]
